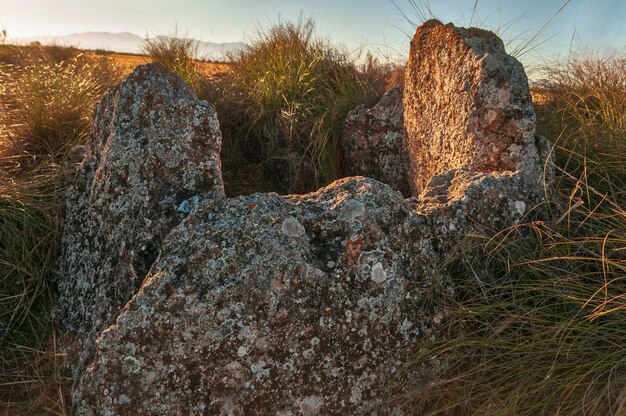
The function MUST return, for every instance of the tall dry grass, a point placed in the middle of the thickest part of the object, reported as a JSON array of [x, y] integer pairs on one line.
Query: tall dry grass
[[282, 105], [179, 54], [587, 95], [47, 96]]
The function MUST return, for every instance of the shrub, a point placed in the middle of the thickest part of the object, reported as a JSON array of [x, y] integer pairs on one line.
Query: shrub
[[282, 106]]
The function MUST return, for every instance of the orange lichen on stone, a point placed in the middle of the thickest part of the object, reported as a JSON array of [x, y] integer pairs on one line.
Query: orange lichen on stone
[[353, 249]]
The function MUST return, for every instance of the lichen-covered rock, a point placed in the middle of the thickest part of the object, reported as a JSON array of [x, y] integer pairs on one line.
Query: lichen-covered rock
[[466, 105], [373, 142], [461, 202], [272, 305], [153, 146]]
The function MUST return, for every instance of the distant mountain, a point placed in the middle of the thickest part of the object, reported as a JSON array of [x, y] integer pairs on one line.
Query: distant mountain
[[128, 43]]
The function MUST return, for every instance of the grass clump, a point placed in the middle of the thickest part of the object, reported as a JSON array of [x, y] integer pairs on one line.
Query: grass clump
[[30, 217], [47, 100], [282, 104], [587, 104], [539, 330], [179, 55]]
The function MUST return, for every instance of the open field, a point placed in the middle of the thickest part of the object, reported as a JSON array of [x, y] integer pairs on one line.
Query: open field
[[539, 332]]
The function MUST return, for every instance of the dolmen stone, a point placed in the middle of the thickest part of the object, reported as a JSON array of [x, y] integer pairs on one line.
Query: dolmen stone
[[272, 305], [175, 299], [373, 142], [154, 146], [467, 105]]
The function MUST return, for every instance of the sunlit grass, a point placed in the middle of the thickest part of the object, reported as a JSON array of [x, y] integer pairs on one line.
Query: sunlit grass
[[48, 95], [282, 106], [179, 54]]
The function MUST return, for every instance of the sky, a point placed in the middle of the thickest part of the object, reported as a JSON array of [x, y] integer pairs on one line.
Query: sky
[[382, 25]]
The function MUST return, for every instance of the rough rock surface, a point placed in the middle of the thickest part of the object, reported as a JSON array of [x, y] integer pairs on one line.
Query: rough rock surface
[[275, 305], [267, 304], [461, 202], [466, 105], [153, 146], [373, 142]]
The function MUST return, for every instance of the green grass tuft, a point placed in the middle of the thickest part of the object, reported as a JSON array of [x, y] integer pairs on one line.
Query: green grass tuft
[[282, 105]]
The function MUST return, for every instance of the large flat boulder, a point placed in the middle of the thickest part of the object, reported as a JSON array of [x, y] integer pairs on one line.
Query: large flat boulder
[[153, 146], [272, 305]]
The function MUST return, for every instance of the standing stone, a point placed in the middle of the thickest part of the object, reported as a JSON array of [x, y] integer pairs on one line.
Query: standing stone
[[154, 146], [373, 142], [466, 105]]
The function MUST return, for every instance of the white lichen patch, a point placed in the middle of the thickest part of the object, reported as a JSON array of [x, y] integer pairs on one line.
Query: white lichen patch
[[352, 210], [519, 208], [242, 351], [292, 228], [378, 273], [259, 370], [189, 205], [311, 405], [124, 399]]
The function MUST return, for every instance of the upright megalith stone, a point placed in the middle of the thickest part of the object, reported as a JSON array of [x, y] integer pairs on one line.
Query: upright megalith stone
[[466, 105], [153, 146], [373, 142]]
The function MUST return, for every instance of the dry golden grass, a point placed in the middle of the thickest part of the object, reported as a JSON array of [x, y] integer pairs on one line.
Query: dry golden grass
[[128, 62]]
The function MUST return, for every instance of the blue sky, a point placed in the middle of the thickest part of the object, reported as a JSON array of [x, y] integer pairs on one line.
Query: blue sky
[[592, 24]]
